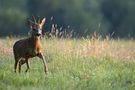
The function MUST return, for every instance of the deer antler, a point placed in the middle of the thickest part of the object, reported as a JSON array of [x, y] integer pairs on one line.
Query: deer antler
[[34, 18], [38, 18]]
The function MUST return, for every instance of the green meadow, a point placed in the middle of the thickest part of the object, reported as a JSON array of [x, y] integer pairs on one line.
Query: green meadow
[[74, 64]]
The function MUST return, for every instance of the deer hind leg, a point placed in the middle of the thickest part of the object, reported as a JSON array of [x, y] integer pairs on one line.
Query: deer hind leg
[[28, 67], [44, 62], [21, 61], [15, 66]]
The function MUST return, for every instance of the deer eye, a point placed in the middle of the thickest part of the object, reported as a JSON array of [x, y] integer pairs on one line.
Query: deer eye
[[35, 30]]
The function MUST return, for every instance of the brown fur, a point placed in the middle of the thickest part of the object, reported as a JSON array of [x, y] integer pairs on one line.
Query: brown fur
[[28, 48]]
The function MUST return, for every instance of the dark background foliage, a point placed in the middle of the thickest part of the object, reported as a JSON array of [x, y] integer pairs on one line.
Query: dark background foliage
[[105, 17]]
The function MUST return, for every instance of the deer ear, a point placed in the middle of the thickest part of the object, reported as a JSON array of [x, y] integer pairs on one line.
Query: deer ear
[[43, 22]]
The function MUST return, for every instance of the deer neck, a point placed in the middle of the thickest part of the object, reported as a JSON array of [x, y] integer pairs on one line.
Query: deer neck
[[36, 43]]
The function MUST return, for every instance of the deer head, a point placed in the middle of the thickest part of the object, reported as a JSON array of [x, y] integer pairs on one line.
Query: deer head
[[36, 26]]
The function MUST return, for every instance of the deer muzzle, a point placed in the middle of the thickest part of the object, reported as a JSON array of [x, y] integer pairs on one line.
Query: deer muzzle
[[38, 34]]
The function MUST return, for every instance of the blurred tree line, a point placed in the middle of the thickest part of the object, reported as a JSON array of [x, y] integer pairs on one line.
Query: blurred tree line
[[105, 17]]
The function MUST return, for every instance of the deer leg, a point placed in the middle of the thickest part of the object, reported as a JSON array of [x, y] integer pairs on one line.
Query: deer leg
[[15, 66], [28, 67], [19, 67], [44, 62], [16, 63], [21, 62]]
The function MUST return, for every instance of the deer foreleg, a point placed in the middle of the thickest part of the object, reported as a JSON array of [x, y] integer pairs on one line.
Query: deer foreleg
[[44, 62]]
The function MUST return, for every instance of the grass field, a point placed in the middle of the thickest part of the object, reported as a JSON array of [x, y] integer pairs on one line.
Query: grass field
[[84, 64]]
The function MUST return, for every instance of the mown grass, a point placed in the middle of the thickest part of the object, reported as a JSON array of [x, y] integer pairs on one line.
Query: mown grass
[[85, 64]]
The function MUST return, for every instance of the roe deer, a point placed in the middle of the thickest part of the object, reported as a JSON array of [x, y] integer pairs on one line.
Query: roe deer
[[30, 47]]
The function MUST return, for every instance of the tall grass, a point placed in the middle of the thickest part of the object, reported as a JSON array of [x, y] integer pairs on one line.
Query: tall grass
[[74, 64]]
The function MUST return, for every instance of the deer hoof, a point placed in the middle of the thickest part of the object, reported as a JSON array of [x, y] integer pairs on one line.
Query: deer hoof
[[46, 71]]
